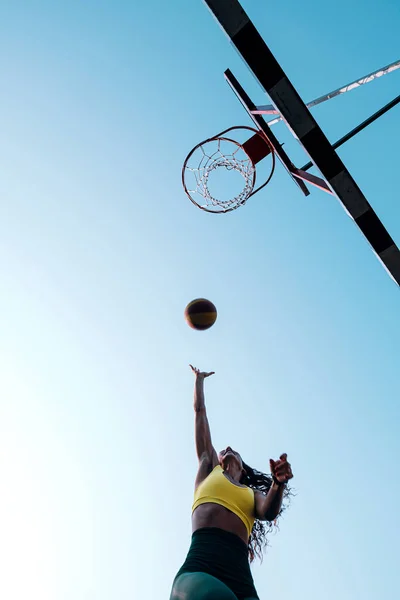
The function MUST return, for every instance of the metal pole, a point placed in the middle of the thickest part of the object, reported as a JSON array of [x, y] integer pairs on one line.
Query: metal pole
[[268, 109], [359, 128]]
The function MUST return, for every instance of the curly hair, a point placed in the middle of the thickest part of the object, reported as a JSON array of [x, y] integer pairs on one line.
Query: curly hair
[[258, 538]]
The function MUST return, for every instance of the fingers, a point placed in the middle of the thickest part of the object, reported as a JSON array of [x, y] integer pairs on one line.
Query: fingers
[[282, 460], [198, 372], [281, 469]]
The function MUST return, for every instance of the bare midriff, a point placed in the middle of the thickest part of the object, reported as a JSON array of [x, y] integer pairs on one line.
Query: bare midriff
[[215, 515]]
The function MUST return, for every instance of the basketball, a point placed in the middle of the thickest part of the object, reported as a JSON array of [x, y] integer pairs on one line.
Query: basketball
[[200, 314]]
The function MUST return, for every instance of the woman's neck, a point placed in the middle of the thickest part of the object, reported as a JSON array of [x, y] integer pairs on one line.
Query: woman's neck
[[233, 471]]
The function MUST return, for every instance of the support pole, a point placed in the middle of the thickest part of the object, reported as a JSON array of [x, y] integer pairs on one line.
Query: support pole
[[359, 128]]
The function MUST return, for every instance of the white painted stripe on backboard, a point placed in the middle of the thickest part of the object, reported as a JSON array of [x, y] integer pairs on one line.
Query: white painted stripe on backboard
[[230, 15]]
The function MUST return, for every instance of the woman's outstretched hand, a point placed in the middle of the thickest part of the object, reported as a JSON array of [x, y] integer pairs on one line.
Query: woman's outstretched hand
[[281, 469], [201, 374]]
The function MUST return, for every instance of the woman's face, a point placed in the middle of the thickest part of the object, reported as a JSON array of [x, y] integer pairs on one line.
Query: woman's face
[[228, 456]]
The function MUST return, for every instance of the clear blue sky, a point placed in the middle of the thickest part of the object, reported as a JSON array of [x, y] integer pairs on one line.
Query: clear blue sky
[[101, 251]]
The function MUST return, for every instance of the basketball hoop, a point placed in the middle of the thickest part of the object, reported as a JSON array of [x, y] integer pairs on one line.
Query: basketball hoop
[[221, 152]]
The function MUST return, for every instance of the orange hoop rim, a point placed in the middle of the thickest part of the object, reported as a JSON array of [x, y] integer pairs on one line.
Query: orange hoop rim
[[222, 136]]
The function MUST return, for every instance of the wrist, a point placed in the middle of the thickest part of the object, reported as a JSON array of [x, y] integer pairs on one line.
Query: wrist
[[278, 484]]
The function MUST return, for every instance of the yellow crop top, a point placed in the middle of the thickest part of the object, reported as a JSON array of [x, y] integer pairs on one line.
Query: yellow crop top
[[217, 489]]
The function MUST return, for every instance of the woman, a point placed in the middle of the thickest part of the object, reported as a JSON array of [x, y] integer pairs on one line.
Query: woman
[[231, 504]]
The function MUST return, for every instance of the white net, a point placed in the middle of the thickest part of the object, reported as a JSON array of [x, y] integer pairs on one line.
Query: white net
[[207, 164]]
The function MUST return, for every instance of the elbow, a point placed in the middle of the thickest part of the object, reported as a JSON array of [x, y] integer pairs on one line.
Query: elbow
[[270, 515]]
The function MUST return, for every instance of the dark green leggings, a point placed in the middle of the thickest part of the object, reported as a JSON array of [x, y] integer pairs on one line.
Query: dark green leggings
[[201, 586]]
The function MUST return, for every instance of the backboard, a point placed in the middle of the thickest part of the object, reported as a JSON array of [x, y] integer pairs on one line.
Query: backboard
[[287, 103]]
